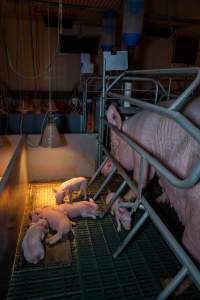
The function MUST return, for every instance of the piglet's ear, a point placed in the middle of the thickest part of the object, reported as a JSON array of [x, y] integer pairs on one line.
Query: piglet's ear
[[113, 116]]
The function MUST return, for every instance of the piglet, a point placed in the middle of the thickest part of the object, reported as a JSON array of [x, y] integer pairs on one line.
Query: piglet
[[57, 221], [32, 242], [122, 215], [69, 186], [84, 209]]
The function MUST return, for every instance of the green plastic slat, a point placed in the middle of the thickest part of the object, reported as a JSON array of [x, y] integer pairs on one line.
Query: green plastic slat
[[94, 274]]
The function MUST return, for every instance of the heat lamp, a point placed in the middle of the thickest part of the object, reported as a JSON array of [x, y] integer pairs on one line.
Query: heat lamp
[[50, 137]]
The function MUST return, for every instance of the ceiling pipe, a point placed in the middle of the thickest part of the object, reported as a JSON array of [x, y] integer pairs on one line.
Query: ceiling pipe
[[65, 5]]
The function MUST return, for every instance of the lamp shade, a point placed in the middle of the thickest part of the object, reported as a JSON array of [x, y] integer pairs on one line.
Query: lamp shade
[[51, 137]]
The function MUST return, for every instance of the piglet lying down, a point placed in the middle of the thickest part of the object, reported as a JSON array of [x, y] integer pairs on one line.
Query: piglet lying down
[[32, 242], [84, 209], [122, 215], [57, 221], [70, 186]]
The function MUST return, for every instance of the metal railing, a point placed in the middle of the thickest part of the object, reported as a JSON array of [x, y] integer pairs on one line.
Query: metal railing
[[188, 267]]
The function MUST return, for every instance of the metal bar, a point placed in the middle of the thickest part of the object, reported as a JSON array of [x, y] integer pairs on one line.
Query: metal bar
[[135, 78], [182, 99], [165, 233], [121, 171], [131, 234], [185, 183], [172, 243], [102, 112], [114, 198], [97, 171], [107, 179], [84, 127], [140, 185], [173, 284]]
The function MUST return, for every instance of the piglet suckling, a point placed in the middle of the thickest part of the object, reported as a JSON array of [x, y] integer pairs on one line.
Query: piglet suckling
[[56, 220], [84, 209], [70, 186], [122, 215], [32, 243]]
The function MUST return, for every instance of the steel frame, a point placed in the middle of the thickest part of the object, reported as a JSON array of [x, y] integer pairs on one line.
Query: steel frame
[[187, 265]]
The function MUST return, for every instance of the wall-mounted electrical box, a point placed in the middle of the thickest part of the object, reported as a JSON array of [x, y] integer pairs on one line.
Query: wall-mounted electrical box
[[117, 61]]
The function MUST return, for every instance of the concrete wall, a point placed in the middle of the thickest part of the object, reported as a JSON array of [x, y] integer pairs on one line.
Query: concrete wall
[[75, 159], [30, 55], [25, 41]]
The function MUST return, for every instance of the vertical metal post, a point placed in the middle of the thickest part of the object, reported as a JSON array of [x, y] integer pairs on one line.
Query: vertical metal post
[[102, 113], [84, 108], [141, 179]]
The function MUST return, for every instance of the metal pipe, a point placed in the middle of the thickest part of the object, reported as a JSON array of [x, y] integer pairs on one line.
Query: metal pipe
[[185, 183], [102, 112], [132, 185], [97, 171], [104, 183], [168, 237], [173, 284], [140, 185], [172, 243], [174, 115], [181, 100], [136, 78], [114, 198], [131, 234]]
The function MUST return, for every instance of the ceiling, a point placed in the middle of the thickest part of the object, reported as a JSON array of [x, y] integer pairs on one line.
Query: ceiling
[[87, 12]]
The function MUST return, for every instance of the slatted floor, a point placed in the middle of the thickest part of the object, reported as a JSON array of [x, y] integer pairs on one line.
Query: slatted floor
[[93, 273]]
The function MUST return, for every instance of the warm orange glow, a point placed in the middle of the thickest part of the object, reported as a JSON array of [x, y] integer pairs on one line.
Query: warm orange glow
[[41, 194]]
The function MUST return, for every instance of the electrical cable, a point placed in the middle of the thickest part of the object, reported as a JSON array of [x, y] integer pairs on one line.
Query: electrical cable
[[50, 104], [46, 69]]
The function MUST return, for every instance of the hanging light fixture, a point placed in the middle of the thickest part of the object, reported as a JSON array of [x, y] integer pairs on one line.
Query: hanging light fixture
[[50, 136]]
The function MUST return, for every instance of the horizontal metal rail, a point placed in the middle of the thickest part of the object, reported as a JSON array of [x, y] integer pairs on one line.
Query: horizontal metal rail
[[182, 98], [176, 248], [181, 183]]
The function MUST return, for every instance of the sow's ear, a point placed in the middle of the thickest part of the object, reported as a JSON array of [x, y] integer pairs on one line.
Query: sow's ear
[[113, 116]]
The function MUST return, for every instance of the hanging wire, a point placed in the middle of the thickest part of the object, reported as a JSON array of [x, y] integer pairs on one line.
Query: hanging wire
[[30, 143], [60, 16], [49, 52], [52, 60], [4, 46]]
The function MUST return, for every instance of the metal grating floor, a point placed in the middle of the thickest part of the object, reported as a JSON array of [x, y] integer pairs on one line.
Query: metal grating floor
[[94, 274]]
